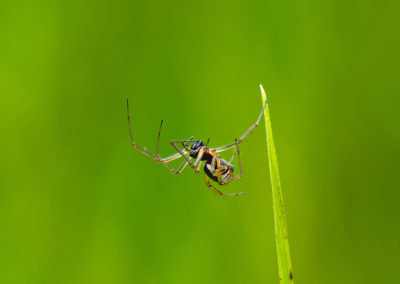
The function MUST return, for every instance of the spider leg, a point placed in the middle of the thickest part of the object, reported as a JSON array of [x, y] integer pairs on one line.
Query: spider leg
[[185, 145], [213, 162], [219, 174], [197, 164], [230, 146], [158, 139], [216, 162], [179, 170], [221, 169], [217, 191], [217, 168], [240, 166], [182, 153], [234, 154], [156, 158], [184, 164]]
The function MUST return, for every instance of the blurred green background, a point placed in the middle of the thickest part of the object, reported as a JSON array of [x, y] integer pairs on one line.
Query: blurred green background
[[79, 205]]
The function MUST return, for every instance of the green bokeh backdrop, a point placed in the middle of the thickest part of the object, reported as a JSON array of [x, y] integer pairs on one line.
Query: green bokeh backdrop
[[79, 205]]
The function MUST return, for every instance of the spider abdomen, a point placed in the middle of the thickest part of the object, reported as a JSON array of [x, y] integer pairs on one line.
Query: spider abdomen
[[225, 169]]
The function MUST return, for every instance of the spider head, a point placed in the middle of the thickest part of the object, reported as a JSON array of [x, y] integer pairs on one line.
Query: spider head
[[195, 148], [196, 145]]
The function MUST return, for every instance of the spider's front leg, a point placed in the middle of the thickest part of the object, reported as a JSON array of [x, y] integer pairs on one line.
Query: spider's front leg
[[156, 157], [180, 152], [163, 161], [200, 153], [184, 164], [179, 170], [197, 164]]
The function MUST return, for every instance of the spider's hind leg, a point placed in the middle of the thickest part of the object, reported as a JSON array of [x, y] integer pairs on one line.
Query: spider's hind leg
[[230, 146]]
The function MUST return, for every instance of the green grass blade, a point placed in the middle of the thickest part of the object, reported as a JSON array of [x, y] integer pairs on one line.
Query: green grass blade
[[282, 242]]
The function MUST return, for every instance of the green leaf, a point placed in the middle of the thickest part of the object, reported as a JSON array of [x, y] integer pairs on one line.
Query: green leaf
[[282, 242]]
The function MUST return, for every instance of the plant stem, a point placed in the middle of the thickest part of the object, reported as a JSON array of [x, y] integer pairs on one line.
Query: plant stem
[[282, 242]]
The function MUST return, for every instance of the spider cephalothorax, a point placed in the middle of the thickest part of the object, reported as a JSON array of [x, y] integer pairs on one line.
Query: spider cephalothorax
[[194, 149], [215, 167]]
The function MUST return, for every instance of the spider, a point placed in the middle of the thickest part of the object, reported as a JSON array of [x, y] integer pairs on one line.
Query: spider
[[215, 168]]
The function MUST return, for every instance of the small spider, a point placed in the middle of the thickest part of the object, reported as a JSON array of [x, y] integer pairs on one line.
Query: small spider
[[215, 167]]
